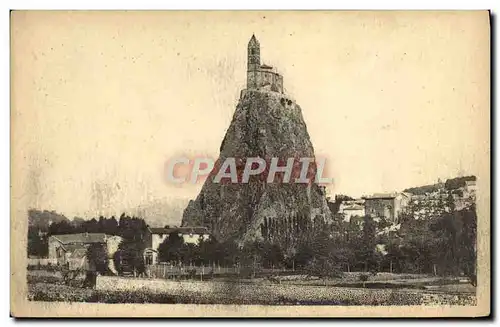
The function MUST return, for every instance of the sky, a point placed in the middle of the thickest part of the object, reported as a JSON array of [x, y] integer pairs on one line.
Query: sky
[[102, 100]]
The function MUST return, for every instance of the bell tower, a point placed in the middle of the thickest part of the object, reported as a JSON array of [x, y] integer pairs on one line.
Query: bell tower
[[253, 54], [253, 62]]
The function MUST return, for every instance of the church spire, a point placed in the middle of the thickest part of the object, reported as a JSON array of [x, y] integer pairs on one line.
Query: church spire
[[253, 41], [253, 54], [261, 76]]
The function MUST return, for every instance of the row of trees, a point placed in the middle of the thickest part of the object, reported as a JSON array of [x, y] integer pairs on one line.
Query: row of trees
[[443, 245], [207, 252], [124, 226], [128, 227]]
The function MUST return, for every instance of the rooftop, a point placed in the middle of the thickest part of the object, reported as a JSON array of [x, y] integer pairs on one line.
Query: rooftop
[[183, 230], [354, 207], [384, 196], [81, 238], [79, 253]]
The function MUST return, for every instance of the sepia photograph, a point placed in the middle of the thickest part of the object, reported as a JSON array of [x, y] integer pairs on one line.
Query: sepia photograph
[[250, 163]]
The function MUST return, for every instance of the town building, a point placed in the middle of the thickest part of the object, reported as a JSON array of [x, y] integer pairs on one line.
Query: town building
[[156, 236], [470, 189], [352, 208], [71, 249], [387, 206], [464, 197]]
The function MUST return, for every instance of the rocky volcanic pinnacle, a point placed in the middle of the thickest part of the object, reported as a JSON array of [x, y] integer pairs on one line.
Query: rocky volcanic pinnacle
[[265, 124]]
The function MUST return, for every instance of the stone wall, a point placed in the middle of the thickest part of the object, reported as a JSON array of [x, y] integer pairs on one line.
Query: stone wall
[[257, 79]]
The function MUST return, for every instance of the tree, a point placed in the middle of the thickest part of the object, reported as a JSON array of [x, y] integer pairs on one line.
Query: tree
[[303, 255], [91, 226], [468, 242], [394, 259], [344, 257], [37, 244], [230, 252], [456, 242], [171, 249], [77, 223], [209, 250], [327, 259], [324, 267], [366, 250], [108, 225], [251, 257], [272, 255], [97, 257], [343, 197], [130, 257], [62, 227], [189, 254]]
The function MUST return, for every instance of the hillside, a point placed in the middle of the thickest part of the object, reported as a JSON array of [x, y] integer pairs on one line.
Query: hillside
[[450, 184], [156, 214], [42, 219]]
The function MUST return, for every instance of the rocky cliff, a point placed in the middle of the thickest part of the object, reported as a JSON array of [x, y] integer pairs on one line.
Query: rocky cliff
[[265, 124]]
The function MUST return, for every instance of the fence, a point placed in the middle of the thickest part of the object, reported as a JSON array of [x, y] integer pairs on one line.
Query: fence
[[167, 270]]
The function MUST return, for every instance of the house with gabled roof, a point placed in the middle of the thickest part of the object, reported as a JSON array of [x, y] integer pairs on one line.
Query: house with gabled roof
[[386, 205], [71, 249]]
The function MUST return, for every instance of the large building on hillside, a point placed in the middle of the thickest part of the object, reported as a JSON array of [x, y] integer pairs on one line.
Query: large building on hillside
[[261, 76], [387, 206]]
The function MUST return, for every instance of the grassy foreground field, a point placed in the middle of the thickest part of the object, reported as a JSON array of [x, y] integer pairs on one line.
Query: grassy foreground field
[[235, 292]]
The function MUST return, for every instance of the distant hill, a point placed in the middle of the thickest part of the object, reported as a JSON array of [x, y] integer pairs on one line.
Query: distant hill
[[420, 190], [450, 184], [156, 214], [42, 219], [161, 212]]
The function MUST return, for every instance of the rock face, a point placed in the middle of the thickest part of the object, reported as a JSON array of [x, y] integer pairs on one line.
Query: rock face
[[265, 124]]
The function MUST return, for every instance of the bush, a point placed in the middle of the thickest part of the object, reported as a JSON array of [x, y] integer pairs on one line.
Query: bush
[[364, 278], [47, 267], [191, 273]]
